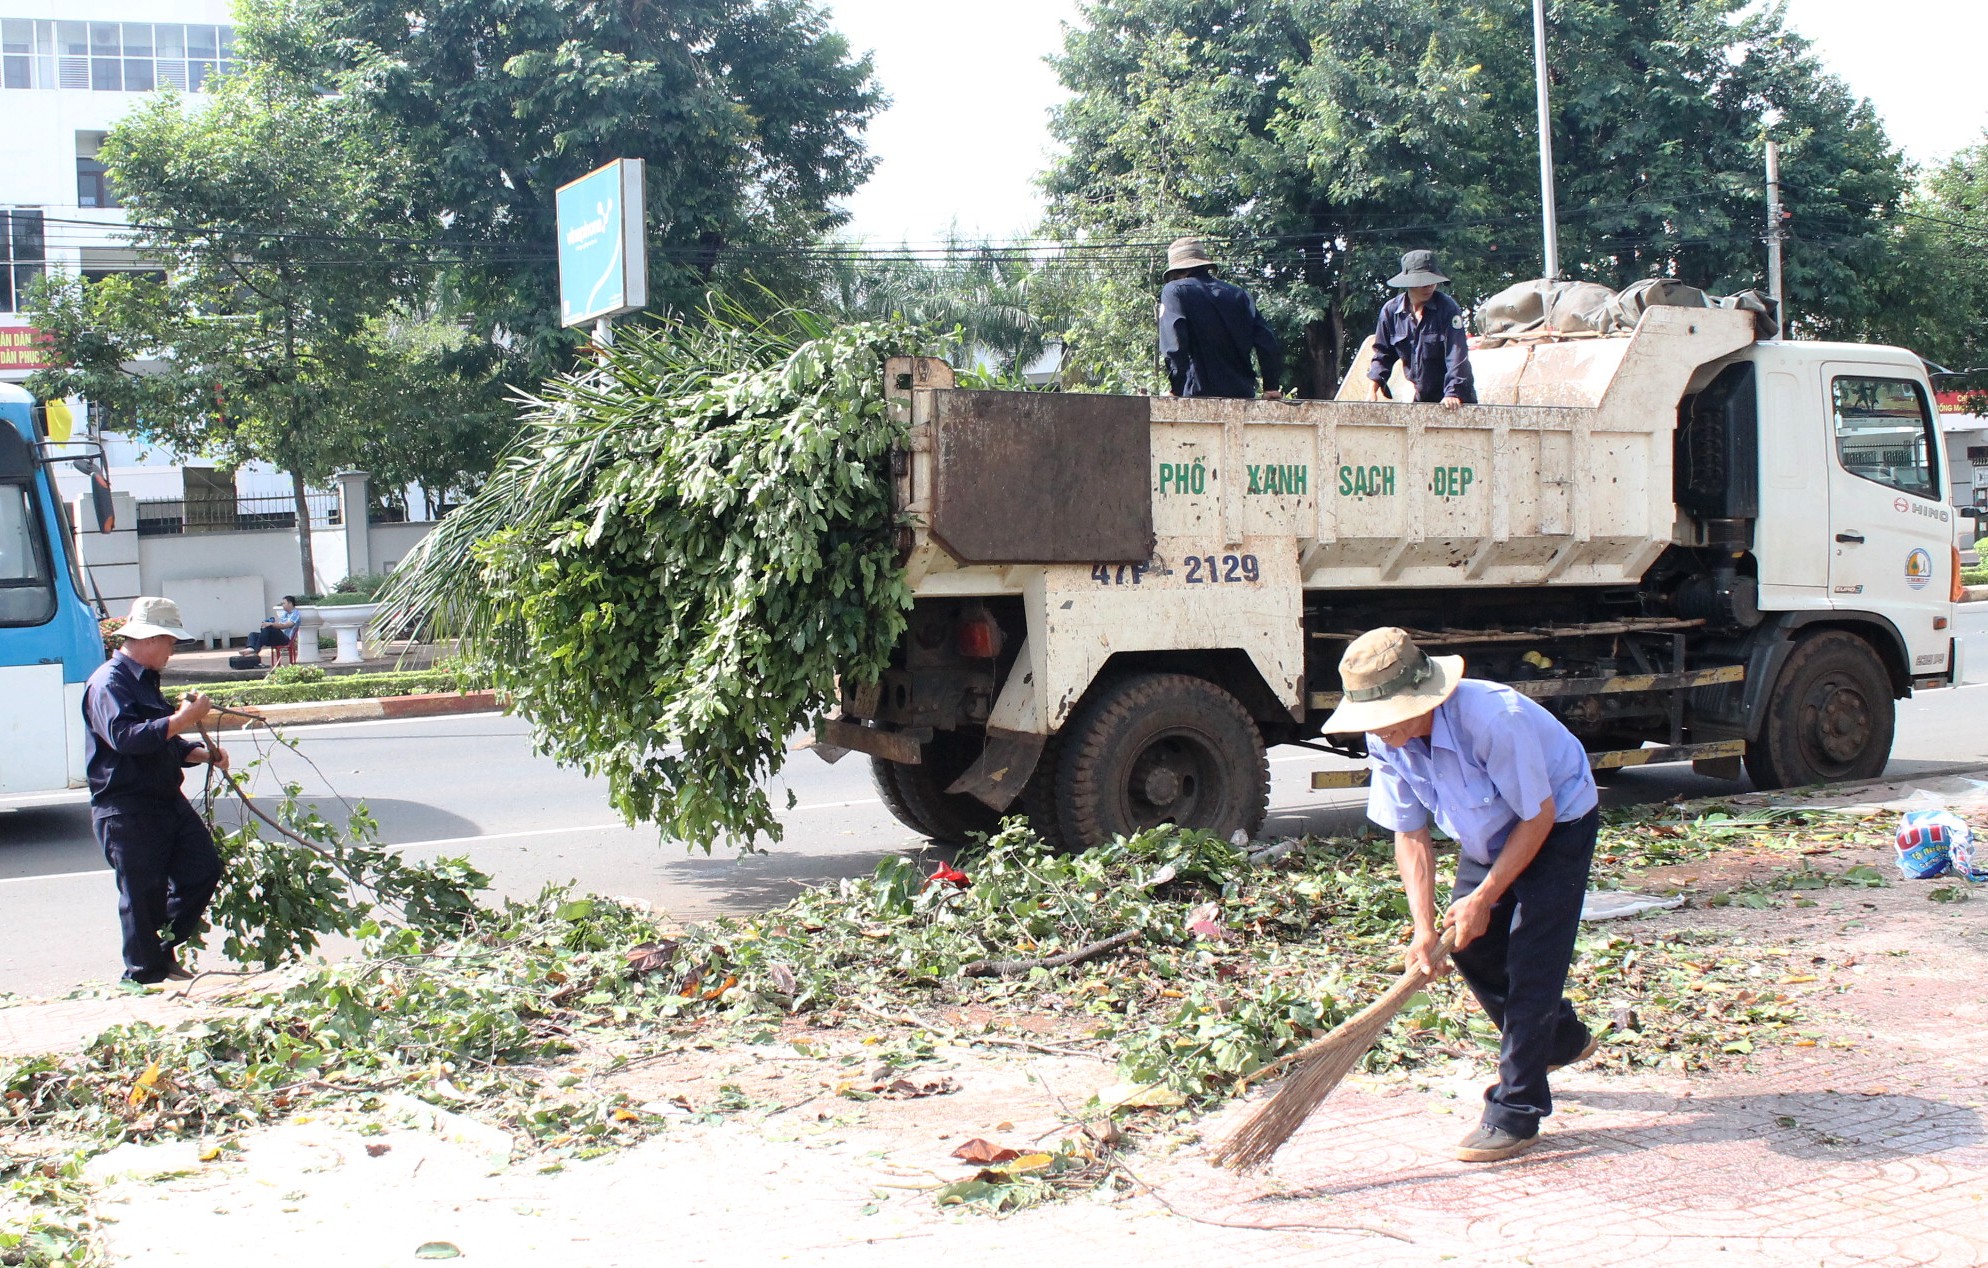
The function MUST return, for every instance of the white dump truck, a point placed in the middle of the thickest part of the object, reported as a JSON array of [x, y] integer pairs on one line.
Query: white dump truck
[[1689, 544]]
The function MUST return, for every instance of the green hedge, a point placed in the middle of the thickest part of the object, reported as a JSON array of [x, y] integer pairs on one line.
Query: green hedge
[[340, 687]]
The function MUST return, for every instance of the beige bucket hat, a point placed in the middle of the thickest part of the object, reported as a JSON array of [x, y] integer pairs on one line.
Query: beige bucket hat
[[152, 616], [1187, 253], [1388, 680]]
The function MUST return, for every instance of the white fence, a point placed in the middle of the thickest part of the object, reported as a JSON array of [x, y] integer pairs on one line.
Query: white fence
[[226, 582]]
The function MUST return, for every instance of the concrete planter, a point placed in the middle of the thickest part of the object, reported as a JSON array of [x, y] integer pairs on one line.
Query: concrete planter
[[346, 622], [307, 636]]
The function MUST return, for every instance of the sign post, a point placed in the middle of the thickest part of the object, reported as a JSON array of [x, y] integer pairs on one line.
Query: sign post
[[603, 247]]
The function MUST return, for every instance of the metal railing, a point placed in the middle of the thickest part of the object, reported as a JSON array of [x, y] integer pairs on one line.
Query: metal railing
[[170, 517]]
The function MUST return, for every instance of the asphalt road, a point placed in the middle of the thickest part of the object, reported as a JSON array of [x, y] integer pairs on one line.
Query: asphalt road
[[471, 785]]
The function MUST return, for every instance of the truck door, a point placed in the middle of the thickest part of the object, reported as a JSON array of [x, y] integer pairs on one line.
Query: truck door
[[1892, 529]]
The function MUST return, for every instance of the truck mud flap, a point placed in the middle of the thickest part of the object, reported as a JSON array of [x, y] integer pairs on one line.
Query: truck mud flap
[[903, 747], [1003, 768]]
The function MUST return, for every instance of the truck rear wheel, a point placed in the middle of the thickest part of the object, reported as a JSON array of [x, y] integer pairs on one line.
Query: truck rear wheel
[[1156, 749], [1830, 716], [916, 795], [1038, 800]]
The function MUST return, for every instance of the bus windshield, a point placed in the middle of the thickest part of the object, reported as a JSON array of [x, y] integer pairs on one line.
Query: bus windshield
[[27, 590]]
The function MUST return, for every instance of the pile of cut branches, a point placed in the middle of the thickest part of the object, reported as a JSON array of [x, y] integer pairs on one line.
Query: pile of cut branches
[[680, 554], [1229, 965]]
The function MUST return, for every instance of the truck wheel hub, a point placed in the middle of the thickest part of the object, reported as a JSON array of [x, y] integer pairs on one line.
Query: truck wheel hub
[[1162, 786], [1165, 783], [1843, 724]]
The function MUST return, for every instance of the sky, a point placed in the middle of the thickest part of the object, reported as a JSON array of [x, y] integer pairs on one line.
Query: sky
[[968, 128]]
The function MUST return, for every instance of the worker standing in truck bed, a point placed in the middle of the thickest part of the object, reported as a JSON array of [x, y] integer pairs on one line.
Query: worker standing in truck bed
[[1209, 328], [1424, 330]]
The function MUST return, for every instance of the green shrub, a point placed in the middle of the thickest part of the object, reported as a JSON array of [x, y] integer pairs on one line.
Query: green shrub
[[284, 674], [340, 687], [366, 584]]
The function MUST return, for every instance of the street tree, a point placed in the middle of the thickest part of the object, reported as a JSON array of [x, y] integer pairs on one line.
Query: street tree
[[262, 211], [1316, 140], [985, 299], [749, 114], [1944, 269]]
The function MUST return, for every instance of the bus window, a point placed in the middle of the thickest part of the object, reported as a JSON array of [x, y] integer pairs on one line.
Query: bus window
[[27, 591]]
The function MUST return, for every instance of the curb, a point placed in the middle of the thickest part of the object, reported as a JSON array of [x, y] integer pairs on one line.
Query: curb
[[425, 705]]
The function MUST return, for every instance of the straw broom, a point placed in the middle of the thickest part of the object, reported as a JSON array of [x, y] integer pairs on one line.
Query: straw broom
[[1322, 1064]]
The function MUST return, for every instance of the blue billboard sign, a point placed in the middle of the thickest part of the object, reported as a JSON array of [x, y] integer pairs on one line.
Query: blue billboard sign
[[603, 249]]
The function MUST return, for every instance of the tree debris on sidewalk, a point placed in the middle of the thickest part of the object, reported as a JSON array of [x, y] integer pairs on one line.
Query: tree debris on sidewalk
[[1169, 955]]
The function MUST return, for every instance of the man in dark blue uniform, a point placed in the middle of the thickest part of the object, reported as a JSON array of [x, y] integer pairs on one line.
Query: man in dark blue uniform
[[1423, 329], [1209, 327], [164, 856]]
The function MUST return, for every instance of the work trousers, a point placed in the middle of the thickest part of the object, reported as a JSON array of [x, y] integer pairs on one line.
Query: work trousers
[[268, 636], [167, 868], [1517, 968]]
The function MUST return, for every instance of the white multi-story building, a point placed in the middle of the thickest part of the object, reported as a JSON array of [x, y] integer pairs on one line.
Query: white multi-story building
[[69, 69]]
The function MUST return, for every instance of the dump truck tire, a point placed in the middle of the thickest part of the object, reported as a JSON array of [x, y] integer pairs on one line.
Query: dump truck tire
[[1037, 802], [1160, 748], [916, 795], [1830, 716], [883, 774]]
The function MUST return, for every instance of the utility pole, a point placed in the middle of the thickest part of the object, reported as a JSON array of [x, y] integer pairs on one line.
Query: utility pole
[[1552, 273], [1774, 232]]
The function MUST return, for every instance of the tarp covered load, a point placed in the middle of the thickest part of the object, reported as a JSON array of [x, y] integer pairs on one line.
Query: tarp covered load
[[1540, 308]]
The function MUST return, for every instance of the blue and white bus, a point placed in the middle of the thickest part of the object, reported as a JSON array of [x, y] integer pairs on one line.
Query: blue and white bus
[[49, 637]]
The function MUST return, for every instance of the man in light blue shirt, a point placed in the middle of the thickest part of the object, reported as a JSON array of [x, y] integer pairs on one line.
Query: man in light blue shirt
[[1511, 785]]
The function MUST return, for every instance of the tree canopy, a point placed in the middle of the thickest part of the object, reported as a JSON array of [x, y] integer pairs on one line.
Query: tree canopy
[[1318, 139], [255, 209], [749, 114]]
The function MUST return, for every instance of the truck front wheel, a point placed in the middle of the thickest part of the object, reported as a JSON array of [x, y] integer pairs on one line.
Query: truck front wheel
[[1830, 716], [1156, 749]]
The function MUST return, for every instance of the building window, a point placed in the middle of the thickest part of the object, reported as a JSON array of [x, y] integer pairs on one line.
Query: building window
[[93, 187], [112, 56], [21, 251]]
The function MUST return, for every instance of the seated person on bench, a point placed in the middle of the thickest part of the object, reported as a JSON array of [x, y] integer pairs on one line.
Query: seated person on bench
[[277, 631]]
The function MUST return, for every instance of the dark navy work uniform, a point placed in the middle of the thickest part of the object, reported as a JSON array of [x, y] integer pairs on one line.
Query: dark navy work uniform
[[1208, 329], [1434, 352], [164, 856]]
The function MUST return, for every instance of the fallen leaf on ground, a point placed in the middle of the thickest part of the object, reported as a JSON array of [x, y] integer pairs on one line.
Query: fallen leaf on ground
[[984, 1153], [1141, 1096], [649, 957]]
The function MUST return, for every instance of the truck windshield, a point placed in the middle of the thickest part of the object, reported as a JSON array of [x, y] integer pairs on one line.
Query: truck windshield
[[1884, 432], [27, 591]]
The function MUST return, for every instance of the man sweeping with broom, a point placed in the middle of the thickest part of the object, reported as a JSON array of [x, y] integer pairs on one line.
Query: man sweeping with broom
[[1504, 778]]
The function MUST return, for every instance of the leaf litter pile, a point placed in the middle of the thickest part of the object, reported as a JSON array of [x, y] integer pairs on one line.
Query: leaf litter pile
[[1216, 964]]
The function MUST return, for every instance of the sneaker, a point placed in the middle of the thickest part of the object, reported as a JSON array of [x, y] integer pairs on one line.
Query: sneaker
[[1587, 1050], [1491, 1144], [178, 974]]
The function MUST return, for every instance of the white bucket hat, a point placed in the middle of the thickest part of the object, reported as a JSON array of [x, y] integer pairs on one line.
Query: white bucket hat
[[1388, 680], [152, 616]]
